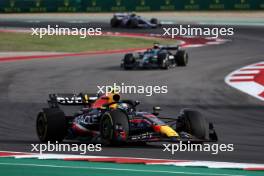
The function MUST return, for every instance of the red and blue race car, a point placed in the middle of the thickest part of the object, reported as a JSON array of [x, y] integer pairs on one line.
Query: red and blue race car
[[110, 120]]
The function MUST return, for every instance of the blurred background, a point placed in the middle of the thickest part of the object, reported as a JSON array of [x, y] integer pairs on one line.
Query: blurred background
[[10, 6]]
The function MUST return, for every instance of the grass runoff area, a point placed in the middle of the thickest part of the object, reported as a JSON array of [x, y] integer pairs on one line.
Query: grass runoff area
[[27, 42], [33, 167]]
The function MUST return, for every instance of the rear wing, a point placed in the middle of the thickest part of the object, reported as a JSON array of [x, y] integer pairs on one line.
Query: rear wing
[[121, 14], [71, 99], [170, 47]]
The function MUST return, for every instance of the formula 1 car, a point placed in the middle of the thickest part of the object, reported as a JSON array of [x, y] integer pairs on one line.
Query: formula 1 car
[[159, 56], [109, 120], [131, 20]]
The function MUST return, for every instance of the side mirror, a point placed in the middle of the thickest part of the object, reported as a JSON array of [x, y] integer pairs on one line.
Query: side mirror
[[156, 110]]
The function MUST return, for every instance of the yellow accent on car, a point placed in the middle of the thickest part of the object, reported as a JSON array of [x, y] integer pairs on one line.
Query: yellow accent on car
[[113, 106], [168, 131], [86, 98], [110, 97]]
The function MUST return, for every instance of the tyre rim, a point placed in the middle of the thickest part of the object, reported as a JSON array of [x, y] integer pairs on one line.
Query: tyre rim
[[107, 129], [41, 126]]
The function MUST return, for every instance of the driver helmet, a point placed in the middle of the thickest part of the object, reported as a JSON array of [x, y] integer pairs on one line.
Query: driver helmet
[[133, 14], [156, 46], [123, 106]]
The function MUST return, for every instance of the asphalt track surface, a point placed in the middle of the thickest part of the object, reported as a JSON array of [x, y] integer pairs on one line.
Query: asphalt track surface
[[238, 118]]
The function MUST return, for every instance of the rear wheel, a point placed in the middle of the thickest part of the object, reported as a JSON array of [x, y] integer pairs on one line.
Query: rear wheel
[[114, 127], [193, 123], [129, 61], [51, 125], [181, 58]]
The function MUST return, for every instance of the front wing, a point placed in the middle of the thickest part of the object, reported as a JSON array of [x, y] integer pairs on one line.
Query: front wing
[[156, 137]]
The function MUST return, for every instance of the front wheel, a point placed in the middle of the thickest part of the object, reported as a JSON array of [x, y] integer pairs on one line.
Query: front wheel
[[114, 127], [181, 58], [154, 21], [133, 23], [194, 123]]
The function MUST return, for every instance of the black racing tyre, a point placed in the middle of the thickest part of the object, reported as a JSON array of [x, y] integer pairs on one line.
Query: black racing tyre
[[133, 23], [163, 61], [110, 125], [154, 20], [114, 22], [195, 124], [181, 58], [129, 61], [51, 125]]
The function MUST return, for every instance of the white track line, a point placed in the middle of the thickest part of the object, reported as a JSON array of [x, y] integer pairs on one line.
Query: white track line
[[209, 164], [242, 77], [247, 72], [56, 156], [215, 164]]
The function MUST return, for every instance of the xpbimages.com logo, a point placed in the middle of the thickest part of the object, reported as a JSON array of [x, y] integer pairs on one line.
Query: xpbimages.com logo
[[57, 31]]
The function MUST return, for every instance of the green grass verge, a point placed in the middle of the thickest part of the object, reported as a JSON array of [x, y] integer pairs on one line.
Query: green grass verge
[[34, 167], [27, 42]]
